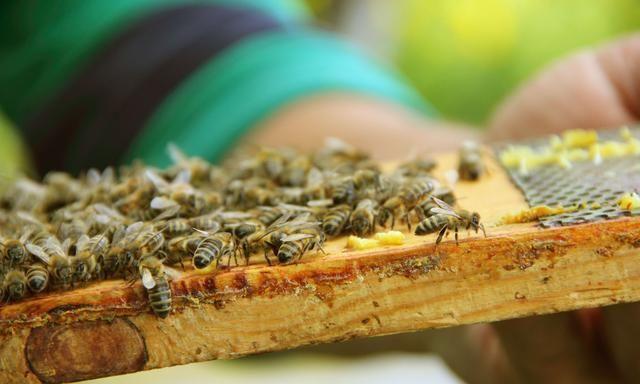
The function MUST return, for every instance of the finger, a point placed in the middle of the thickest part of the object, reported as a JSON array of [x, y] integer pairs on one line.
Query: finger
[[474, 353], [622, 329], [592, 89], [551, 349]]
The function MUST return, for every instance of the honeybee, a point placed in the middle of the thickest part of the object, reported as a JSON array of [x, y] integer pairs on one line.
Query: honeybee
[[123, 253], [409, 196], [416, 167], [154, 279], [198, 168], [48, 250], [470, 164], [344, 191], [174, 227], [445, 218], [208, 223], [89, 251], [148, 242], [270, 238], [363, 217], [14, 285], [37, 277], [335, 220], [72, 230], [180, 247], [213, 247], [294, 246], [295, 172], [15, 253]]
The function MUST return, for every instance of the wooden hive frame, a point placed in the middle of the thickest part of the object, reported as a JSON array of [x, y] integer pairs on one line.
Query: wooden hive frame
[[519, 270]]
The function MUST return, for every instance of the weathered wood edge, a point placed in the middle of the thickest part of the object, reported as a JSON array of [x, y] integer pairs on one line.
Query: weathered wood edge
[[256, 309]]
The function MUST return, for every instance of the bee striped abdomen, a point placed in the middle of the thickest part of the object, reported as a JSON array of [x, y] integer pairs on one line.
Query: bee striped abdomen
[[335, 220], [431, 224], [160, 297], [207, 251], [37, 278], [290, 250]]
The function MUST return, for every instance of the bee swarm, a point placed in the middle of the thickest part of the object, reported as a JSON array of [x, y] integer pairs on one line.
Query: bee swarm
[[140, 221]]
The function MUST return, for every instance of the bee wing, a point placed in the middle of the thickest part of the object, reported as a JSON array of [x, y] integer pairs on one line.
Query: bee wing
[[38, 252], [296, 237], [292, 208], [155, 179], [176, 154], [172, 273], [204, 233], [108, 175], [321, 203], [26, 235], [160, 203], [29, 218], [134, 228], [231, 215], [314, 177], [107, 211], [82, 242], [334, 144], [168, 213], [118, 235], [183, 177], [65, 245], [438, 210], [147, 278], [93, 177], [442, 204]]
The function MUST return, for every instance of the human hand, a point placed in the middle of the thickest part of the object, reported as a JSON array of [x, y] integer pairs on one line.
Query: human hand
[[591, 89]]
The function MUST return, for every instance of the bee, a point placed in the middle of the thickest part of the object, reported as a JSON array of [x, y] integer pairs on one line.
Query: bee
[[470, 164], [363, 217], [295, 172], [207, 223], [417, 167], [344, 191], [271, 162], [199, 168], [445, 218], [15, 253], [37, 277], [174, 227], [154, 279], [180, 247], [270, 238], [48, 249], [294, 246], [335, 220], [89, 251], [14, 285], [409, 196], [148, 242], [72, 230], [213, 247], [122, 255]]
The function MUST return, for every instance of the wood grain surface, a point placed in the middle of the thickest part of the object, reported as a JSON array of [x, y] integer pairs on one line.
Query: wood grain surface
[[518, 270]]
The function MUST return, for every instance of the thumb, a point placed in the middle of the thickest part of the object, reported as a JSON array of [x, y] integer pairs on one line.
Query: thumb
[[591, 89]]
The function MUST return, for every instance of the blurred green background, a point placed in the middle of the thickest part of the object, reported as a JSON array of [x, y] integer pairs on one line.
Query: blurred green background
[[466, 55]]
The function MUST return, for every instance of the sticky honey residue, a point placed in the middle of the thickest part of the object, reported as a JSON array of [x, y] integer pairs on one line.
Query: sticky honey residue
[[534, 213], [379, 239], [574, 146], [629, 201]]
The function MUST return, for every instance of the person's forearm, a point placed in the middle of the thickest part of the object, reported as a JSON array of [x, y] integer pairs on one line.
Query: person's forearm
[[386, 130]]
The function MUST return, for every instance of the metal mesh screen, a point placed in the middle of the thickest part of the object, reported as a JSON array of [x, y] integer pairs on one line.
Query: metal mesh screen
[[584, 183]]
